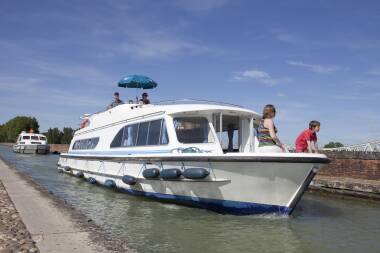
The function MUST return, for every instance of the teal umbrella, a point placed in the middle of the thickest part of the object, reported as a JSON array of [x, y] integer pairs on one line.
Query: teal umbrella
[[137, 81]]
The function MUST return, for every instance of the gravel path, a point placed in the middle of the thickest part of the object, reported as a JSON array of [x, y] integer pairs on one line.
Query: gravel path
[[14, 237]]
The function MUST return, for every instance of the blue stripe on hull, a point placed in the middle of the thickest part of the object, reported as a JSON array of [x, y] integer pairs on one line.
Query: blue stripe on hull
[[216, 205]]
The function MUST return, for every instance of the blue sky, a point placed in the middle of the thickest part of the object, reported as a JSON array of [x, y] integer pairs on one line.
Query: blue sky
[[312, 59]]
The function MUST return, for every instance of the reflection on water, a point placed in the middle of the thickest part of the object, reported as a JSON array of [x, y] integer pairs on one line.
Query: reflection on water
[[320, 224]]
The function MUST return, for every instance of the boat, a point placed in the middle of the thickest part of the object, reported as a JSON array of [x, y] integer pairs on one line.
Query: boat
[[196, 153], [31, 143]]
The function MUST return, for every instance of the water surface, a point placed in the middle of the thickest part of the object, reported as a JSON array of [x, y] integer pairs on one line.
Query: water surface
[[319, 224]]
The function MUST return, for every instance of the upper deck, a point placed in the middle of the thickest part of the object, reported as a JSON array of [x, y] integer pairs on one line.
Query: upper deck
[[130, 112]]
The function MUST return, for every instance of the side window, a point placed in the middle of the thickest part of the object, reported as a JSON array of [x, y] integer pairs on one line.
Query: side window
[[86, 143], [82, 144], [95, 142], [75, 145], [164, 139], [143, 134], [116, 142], [154, 132], [130, 135]]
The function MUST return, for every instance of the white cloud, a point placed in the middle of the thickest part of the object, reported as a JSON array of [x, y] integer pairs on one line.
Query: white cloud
[[34, 89], [320, 69], [374, 71], [200, 5], [287, 38], [255, 74], [158, 47]]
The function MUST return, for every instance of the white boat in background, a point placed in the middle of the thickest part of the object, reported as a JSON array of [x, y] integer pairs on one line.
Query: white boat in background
[[196, 153], [31, 143]]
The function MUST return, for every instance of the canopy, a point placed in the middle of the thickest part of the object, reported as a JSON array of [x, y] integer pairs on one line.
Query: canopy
[[137, 81]]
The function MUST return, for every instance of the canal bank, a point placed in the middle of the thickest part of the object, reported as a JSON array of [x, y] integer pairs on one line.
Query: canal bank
[[39, 220], [350, 173]]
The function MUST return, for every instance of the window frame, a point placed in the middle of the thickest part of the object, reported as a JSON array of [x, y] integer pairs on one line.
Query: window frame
[[198, 143], [84, 144], [163, 121]]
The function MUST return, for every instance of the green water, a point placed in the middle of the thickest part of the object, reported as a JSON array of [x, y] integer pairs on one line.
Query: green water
[[319, 224]]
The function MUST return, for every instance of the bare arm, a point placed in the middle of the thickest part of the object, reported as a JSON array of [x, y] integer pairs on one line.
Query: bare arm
[[316, 150], [309, 146], [312, 146], [268, 123]]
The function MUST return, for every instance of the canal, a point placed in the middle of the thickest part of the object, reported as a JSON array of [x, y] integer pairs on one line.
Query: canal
[[320, 224]]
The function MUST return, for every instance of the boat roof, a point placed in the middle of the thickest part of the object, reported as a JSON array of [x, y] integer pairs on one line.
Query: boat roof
[[30, 134], [173, 107], [184, 105]]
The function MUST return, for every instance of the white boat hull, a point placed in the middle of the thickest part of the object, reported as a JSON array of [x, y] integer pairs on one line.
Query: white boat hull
[[31, 148], [240, 186]]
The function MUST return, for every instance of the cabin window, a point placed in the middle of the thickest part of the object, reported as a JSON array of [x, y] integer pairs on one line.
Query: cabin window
[[154, 132], [90, 143], [130, 135], [142, 134], [34, 138], [116, 142], [193, 130], [26, 137], [94, 143], [164, 138], [42, 138]]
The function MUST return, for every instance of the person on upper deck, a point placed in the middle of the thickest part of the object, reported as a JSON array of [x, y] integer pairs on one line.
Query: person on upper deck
[[267, 132], [117, 101], [145, 98], [307, 140]]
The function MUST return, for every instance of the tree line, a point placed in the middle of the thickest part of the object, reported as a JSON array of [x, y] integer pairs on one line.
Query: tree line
[[12, 128]]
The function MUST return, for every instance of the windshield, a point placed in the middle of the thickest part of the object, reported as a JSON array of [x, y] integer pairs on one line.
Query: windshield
[[193, 130]]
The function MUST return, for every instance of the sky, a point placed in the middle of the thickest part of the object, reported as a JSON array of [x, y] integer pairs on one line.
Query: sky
[[312, 59]]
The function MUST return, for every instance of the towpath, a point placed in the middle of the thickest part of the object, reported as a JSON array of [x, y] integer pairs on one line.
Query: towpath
[[51, 227]]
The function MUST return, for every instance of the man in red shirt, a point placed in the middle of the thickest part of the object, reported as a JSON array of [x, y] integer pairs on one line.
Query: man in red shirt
[[307, 140]]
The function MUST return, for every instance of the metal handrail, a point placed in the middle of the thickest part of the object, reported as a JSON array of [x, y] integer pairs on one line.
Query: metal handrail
[[195, 101]]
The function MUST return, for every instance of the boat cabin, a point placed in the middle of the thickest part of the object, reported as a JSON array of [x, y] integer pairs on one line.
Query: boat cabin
[[177, 126], [31, 138]]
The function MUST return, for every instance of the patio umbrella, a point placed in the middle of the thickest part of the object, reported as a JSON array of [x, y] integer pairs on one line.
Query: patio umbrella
[[137, 81]]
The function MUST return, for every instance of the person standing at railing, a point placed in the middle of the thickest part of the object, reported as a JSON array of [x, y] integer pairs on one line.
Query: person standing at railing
[[267, 132], [145, 98], [117, 101], [307, 140]]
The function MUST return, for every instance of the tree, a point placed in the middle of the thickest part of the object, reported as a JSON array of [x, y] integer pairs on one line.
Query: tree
[[54, 136], [67, 135], [11, 129], [2, 135], [332, 144]]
